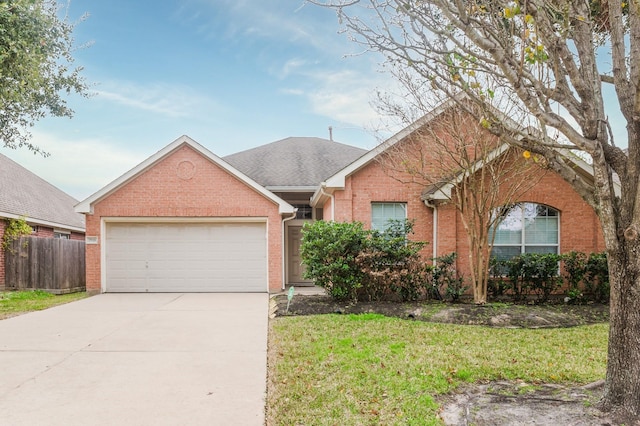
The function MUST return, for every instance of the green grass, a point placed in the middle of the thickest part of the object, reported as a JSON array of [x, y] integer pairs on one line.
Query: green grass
[[19, 302], [369, 369]]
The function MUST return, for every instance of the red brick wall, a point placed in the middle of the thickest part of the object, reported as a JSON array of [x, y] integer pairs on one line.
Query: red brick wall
[[46, 232], [161, 192], [42, 232], [373, 184], [77, 236], [579, 226]]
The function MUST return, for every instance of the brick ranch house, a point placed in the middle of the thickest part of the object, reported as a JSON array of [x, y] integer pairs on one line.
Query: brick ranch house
[[186, 220], [548, 217], [48, 210]]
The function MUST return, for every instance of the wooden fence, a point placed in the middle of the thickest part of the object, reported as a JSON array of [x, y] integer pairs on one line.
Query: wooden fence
[[51, 264]]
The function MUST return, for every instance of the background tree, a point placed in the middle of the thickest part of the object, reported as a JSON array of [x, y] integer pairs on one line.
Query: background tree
[[550, 60], [35, 68], [469, 168]]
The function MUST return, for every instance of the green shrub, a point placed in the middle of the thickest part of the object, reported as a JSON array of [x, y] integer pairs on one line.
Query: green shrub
[[392, 263], [533, 273], [575, 268], [14, 229], [587, 277], [596, 278], [329, 250], [444, 277], [351, 262], [497, 284], [541, 274], [513, 269]]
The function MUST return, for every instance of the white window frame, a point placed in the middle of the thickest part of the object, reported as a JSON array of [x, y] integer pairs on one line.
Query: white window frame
[[62, 234], [376, 225], [523, 244]]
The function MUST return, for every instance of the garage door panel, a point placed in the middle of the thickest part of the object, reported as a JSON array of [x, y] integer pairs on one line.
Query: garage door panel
[[184, 257]]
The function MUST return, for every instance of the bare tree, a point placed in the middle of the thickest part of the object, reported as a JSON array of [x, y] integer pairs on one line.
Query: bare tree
[[459, 162], [550, 60]]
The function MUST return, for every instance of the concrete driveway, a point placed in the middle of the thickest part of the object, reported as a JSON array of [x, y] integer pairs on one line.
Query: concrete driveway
[[137, 359]]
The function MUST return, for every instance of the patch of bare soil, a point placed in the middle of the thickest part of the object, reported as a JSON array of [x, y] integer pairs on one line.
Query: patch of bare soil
[[494, 403], [493, 315], [9, 315], [519, 404]]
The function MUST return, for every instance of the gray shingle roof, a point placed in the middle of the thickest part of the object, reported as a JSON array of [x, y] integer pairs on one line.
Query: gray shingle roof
[[22, 193], [294, 161]]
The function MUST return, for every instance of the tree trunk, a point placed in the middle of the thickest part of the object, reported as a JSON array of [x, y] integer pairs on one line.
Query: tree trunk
[[622, 386]]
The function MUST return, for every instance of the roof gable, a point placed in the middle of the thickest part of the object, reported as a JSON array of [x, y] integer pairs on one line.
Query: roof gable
[[24, 194], [337, 180], [442, 190], [86, 205]]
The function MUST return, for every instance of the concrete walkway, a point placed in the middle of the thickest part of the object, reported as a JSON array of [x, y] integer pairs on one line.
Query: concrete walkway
[[137, 359]]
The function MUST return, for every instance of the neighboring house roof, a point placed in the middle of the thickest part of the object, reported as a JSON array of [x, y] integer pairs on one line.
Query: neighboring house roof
[[86, 205], [295, 163], [23, 194]]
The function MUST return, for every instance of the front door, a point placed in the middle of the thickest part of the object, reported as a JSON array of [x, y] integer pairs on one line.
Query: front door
[[295, 267]]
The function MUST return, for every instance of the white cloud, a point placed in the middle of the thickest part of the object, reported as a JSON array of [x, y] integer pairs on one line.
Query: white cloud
[[290, 21], [344, 96], [170, 100], [295, 92], [79, 167], [292, 65]]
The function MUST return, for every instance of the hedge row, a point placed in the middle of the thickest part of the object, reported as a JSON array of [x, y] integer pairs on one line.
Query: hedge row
[[541, 275], [351, 262]]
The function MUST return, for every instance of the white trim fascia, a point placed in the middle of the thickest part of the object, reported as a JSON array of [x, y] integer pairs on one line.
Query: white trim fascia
[[284, 251], [588, 168], [103, 255], [569, 155], [42, 222], [185, 219], [318, 195], [444, 192], [322, 195], [291, 188], [337, 181], [85, 206]]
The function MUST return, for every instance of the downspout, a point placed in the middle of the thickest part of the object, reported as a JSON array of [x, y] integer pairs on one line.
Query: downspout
[[432, 205], [284, 252], [332, 198]]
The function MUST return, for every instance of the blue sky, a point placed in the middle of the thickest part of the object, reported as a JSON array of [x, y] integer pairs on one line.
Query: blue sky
[[230, 74]]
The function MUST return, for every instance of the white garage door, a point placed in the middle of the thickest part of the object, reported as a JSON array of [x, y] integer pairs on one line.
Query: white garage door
[[186, 257]]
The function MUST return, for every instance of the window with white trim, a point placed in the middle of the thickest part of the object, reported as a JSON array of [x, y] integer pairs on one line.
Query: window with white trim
[[62, 235], [382, 213], [526, 228], [304, 211]]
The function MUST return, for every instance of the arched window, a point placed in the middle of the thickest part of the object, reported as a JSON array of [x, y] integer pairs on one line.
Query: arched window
[[526, 228]]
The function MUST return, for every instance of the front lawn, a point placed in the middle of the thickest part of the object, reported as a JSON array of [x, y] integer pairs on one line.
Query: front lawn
[[14, 303], [370, 369]]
